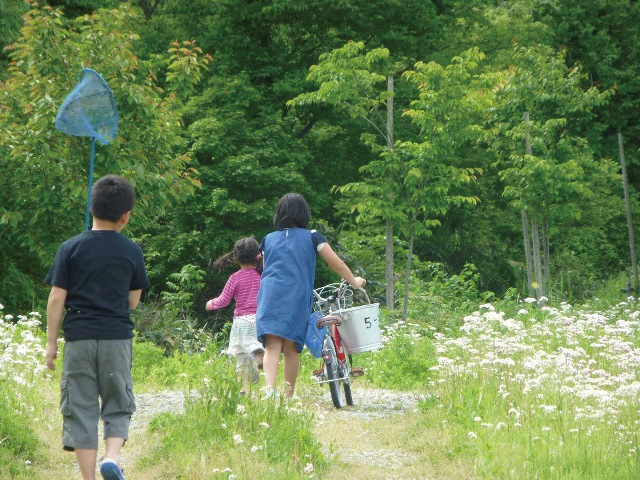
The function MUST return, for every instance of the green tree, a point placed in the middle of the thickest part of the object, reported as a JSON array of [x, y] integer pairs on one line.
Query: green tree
[[602, 37], [43, 191], [435, 167], [544, 162], [352, 80], [425, 173], [10, 13]]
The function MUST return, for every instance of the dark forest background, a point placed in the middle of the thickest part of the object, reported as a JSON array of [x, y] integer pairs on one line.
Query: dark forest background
[[225, 105]]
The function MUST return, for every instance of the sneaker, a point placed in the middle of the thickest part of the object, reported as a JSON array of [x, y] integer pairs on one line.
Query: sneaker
[[357, 372], [110, 471], [271, 394]]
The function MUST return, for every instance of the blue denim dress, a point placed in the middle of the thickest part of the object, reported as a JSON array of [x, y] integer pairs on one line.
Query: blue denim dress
[[286, 291]]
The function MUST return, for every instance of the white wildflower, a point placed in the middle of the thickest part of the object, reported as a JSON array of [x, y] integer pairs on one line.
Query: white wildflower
[[548, 408]]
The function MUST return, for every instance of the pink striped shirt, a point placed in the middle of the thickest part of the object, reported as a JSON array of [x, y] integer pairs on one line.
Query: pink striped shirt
[[242, 286]]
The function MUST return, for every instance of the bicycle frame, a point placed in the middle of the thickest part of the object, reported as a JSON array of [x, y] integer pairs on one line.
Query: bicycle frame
[[328, 356], [336, 365]]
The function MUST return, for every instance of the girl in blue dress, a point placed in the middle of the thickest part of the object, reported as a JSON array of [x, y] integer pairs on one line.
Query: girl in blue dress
[[286, 290]]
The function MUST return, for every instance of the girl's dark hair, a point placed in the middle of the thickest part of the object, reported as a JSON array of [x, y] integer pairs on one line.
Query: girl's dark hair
[[292, 211], [111, 197], [246, 251]]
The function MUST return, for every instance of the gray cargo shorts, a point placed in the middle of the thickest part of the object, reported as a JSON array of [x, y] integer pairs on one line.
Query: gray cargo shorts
[[96, 384]]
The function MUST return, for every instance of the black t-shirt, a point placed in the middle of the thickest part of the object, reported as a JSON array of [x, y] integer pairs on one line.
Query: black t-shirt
[[98, 268]]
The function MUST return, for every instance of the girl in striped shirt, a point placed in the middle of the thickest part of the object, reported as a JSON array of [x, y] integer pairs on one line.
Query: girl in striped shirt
[[243, 286]]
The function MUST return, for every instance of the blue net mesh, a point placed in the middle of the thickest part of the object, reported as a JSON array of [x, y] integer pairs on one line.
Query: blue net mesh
[[89, 110]]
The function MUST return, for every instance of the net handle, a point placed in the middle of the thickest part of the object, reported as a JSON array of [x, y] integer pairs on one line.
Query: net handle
[[90, 183]]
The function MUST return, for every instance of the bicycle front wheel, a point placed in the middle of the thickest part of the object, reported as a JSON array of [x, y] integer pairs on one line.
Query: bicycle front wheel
[[346, 383], [332, 372]]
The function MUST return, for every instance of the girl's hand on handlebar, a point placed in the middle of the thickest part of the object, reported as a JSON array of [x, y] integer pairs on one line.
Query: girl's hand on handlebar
[[358, 282]]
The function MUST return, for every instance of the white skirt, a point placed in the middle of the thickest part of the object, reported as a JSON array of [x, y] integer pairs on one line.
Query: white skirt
[[243, 337]]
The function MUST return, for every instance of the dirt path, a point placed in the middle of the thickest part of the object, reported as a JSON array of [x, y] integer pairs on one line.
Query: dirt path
[[360, 440], [382, 436]]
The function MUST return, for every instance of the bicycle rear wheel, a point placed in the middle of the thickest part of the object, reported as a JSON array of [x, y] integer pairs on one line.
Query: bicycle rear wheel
[[332, 372]]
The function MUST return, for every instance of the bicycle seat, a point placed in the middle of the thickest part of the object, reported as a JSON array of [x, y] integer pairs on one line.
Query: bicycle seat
[[329, 320]]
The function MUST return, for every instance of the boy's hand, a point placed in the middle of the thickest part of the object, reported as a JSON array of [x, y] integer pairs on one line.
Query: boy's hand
[[51, 355], [359, 282]]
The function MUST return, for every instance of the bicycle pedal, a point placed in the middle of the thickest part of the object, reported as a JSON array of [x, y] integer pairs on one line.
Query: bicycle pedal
[[357, 372]]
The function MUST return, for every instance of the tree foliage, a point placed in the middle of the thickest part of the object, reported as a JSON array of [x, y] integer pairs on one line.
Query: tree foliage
[[258, 98], [44, 188]]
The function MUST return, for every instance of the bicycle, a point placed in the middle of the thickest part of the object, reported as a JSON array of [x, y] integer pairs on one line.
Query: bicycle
[[336, 368]]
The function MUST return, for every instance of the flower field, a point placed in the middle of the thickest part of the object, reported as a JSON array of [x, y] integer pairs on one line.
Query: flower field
[[546, 393], [524, 391]]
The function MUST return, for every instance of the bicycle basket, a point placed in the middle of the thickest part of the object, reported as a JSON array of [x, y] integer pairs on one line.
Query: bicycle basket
[[360, 329]]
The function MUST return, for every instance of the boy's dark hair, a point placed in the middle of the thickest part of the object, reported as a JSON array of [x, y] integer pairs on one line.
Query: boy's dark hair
[[292, 211], [245, 251], [111, 197]]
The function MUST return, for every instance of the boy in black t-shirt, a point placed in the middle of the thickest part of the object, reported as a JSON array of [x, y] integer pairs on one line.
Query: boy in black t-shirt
[[97, 278]]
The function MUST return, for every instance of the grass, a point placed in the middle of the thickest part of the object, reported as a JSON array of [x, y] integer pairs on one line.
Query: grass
[[515, 390], [552, 393], [223, 433], [20, 366]]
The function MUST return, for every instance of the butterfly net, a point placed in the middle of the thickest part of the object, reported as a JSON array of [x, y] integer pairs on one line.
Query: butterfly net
[[89, 110]]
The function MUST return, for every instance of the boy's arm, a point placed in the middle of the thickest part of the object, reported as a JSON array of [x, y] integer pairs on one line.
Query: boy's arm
[[55, 307], [134, 298], [337, 265]]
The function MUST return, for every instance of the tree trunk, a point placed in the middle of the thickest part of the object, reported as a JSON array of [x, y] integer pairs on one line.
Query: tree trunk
[[527, 252], [407, 273], [546, 285], [149, 7], [535, 236], [389, 224], [632, 246], [525, 220]]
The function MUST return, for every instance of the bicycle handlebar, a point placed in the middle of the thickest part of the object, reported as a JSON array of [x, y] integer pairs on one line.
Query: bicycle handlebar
[[340, 289]]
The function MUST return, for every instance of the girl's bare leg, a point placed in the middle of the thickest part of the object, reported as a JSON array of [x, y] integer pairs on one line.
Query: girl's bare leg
[[271, 362], [291, 363]]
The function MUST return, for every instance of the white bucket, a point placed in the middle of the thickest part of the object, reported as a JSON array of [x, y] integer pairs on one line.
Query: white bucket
[[360, 329]]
